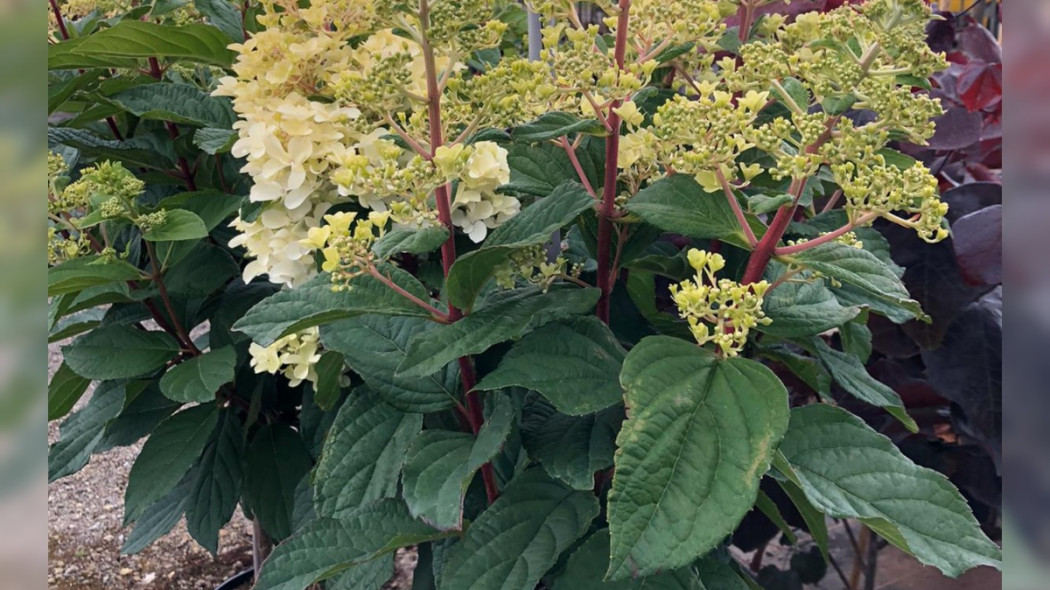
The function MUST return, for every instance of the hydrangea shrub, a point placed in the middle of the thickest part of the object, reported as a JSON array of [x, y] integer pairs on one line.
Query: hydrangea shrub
[[521, 314]]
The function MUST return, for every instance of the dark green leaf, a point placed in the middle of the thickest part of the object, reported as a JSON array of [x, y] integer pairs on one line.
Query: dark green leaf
[[315, 303], [850, 471], [143, 151], [158, 520], [166, 456], [216, 487], [199, 378], [178, 225], [214, 141], [816, 522], [138, 39], [849, 372], [803, 308], [535, 169], [374, 346], [587, 565], [212, 206], [574, 365], [370, 575], [520, 536], [223, 15], [276, 460], [119, 352], [571, 448], [90, 271], [329, 369], [533, 226], [679, 205], [80, 434], [555, 124], [411, 241], [64, 391], [700, 433], [504, 320], [327, 547], [177, 103], [362, 456]]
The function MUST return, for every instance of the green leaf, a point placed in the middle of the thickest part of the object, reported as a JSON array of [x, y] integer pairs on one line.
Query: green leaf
[[205, 269], [851, 374], [520, 536], [177, 103], [504, 320], [838, 104], [769, 508], [178, 225], [212, 206], [442, 463], [146, 407], [90, 271], [850, 471], [571, 448], [718, 575], [535, 169], [216, 488], [63, 56], [759, 204], [533, 226], [587, 565], [138, 39], [64, 391], [119, 352], [674, 51], [555, 124], [158, 520], [175, 445], [326, 547], [803, 309], [700, 433], [856, 338], [276, 460], [199, 378], [808, 369], [374, 346], [82, 431], [362, 456], [861, 269], [329, 369], [370, 575], [677, 204], [574, 365], [411, 241], [816, 522], [795, 90], [315, 303], [224, 16], [143, 151], [214, 141]]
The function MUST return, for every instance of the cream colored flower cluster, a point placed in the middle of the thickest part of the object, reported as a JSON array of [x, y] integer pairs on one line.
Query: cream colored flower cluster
[[295, 356], [481, 168]]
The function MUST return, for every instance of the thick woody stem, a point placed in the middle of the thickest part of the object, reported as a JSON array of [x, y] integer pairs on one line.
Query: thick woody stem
[[612, 150]]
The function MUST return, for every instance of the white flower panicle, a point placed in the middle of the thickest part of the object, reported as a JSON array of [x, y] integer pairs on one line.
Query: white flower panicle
[[295, 356]]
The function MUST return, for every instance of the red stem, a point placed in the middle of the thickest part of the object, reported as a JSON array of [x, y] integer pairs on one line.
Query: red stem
[[824, 239], [571, 151], [763, 252], [448, 249], [612, 150], [58, 17], [746, 18], [737, 211]]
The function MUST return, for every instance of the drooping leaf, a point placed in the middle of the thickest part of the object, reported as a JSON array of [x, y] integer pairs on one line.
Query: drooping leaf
[[143, 151], [206, 268], [175, 445], [119, 352], [158, 519], [861, 269], [410, 241], [216, 488], [224, 16], [199, 378], [679, 205], [315, 303], [327, 547], [850, 373], [275, 461], [81, 432], [850, 471], [374, 346], [571, 448], [816, 522], [531, 227], [441, 464], [64, 391], [520, 536], [502, 320], [575, 365], [700, 433], [214, 141], [144, 409], [362, 456]]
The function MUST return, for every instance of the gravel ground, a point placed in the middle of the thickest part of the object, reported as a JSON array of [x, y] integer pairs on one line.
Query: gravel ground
[[85, 533]]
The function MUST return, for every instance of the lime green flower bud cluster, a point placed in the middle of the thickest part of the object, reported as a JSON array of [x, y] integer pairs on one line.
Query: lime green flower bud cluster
[[106, 179], [579, 67], [346, 246], [720, 311], [531, 265], [886, 189]]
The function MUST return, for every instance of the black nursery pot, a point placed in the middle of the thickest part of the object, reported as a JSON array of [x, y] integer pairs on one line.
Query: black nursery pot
[[242, 580]]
